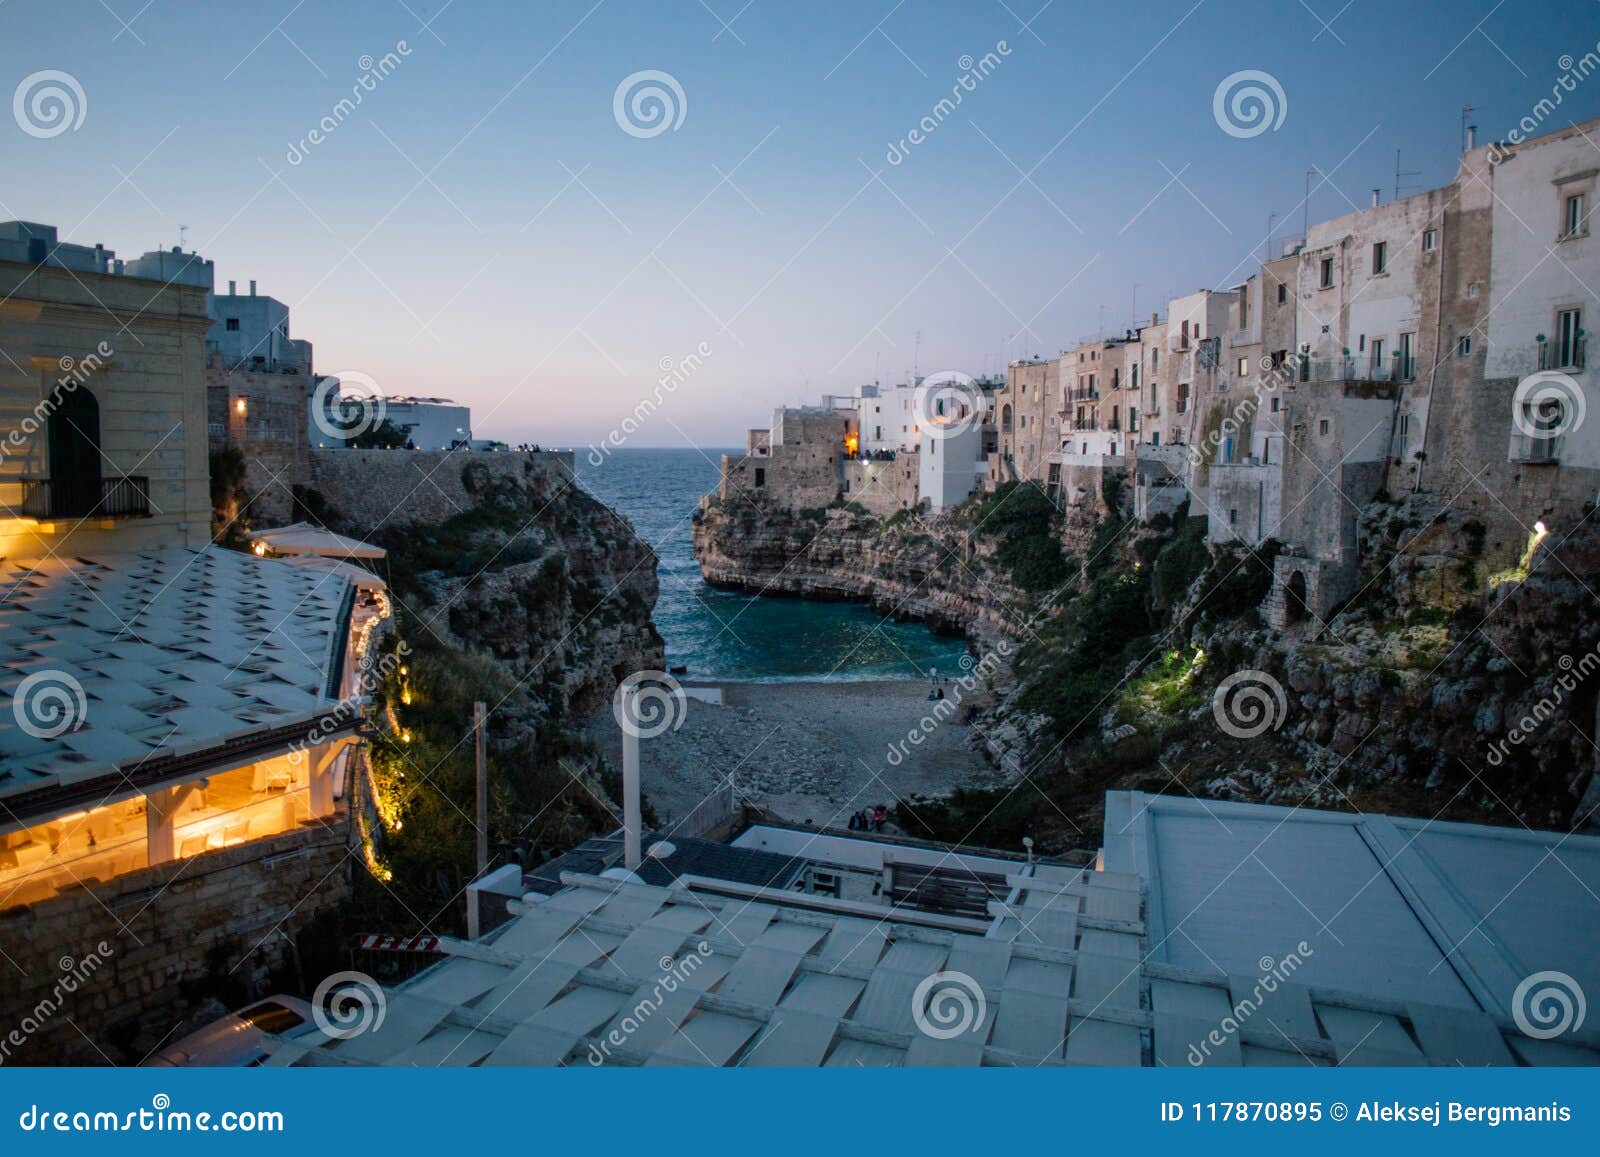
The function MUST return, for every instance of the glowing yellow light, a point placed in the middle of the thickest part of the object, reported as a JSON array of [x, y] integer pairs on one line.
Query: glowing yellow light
[[405, 737], [851, 442], [405, 697], [261, 549], [1539, 530], [239, 406]]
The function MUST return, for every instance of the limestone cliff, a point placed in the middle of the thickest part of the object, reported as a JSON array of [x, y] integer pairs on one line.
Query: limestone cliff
[[906, 566], [502, 553]]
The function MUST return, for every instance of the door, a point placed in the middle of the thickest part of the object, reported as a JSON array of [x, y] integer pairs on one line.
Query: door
[[74, 445]]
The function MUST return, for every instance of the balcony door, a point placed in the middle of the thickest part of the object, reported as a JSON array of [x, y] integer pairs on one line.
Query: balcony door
[[74, 436]]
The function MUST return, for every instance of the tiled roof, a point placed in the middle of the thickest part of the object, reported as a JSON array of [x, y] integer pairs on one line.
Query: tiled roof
[[1073, 967], [175, 651]]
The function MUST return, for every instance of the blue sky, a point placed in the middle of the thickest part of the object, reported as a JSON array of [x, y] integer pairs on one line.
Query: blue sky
[[482, 228]]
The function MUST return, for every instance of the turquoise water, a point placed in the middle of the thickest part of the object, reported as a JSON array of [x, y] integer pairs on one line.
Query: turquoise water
[[724, 634]]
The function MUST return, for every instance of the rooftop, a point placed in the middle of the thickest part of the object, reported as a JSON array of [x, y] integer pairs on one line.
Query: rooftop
[[168, 653], [1216, 933]]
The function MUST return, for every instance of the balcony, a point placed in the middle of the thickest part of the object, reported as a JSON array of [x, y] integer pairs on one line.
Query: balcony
[[1114, 424], [1354, 369], [1086, 423], [53, 498], [1083, 395], [1531, 451], [1562, 355]]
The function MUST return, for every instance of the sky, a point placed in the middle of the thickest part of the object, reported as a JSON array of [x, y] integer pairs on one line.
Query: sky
[[487, 224]]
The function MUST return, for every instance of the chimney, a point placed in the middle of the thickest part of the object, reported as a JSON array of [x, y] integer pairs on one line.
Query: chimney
[[252, 287], [233, 289], [1155, 319], [1376, 193], [1472, 137]]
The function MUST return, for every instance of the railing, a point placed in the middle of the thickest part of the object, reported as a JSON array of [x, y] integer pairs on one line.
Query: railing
[[1114, 424], [1557, 355], [1086, 423], [1355, 369], [127, 497], [1536, 451], [1083, 395]]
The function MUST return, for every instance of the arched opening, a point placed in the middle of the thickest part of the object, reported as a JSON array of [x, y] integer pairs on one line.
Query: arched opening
[[1005, 418], [74, 446], [1295, 598]]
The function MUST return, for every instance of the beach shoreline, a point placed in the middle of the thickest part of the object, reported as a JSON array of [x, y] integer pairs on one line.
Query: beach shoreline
[[809, 751]]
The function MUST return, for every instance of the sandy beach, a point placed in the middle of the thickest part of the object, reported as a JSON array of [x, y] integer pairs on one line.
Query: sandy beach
[[809, 752]]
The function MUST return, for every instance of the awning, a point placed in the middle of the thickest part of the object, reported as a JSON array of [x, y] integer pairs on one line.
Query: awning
[[304, 538], [362, 577]]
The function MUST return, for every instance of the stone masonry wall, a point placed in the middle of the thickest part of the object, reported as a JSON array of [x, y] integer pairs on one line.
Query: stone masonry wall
[[177, 935], [882, 487], [377, 488]]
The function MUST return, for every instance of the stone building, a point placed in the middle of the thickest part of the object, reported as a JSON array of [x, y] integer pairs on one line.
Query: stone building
[[1028, 421], [178, 763], [102, 404]]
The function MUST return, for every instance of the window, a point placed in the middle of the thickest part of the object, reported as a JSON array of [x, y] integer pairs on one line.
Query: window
[[1183, 337], [1405, 426], [1244, 367], [1380, 257], [1463, 345], [761, 477], [1233, 516], [1183, 397], [1133, 376], [1377, 352], [1430, 240], [1153, 355], [1276, 403], [1322, 427], [1569, 338], [1404, 363], [1472, 289], [231, 325], [1326, 277], [1283, 293], [1572, 221]]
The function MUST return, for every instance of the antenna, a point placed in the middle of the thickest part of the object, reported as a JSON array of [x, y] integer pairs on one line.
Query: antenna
[[1305, 206], [1399, 173], [1271, 217], [182, 229], [916, 358], [1466, 111], [1102, 334], [1133, 305]]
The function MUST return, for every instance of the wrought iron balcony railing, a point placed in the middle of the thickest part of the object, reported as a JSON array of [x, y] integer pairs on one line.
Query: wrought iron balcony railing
[[47, 498]]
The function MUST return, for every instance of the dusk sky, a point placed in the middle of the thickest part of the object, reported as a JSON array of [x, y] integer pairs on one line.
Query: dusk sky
[[481, 227]]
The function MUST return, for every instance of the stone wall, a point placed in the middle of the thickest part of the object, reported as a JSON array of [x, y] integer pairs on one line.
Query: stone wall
[[263, 416], [174, 936], [372, 489], [802, 476], [883, 487]]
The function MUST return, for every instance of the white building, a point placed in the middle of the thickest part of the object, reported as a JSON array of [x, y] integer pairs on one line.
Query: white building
[[1545, 264], [889, 419], [951, 465], [430, 423]]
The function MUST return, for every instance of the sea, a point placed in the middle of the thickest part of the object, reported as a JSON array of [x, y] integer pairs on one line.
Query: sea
[[718, 634]]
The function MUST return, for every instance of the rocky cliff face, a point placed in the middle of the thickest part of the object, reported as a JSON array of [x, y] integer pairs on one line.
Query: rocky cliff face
[[1461, 682], [903, 565], [521, 565]]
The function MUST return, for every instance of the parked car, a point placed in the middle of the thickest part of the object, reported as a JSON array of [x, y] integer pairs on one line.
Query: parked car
[[235, 1040]]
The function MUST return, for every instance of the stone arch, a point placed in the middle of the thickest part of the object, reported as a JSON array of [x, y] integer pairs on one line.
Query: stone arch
[[1296, 609]]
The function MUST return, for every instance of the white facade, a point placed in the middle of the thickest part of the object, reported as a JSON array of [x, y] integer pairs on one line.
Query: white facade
[[951, 465], [430, 423], [1542, 274], [889, 419]]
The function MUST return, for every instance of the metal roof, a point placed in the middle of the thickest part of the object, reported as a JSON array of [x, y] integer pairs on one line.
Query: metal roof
[[159, 654]]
